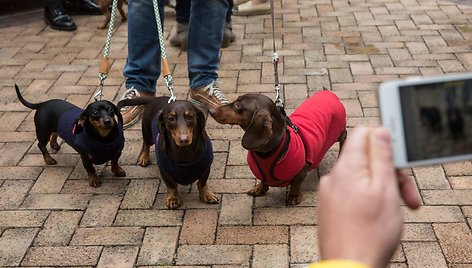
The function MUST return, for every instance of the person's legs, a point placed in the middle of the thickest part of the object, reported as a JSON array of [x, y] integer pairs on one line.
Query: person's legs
[[207, 22], [56, 16], [179, 38], [143, 65], [228, 35], [252, 7], [182, 15]]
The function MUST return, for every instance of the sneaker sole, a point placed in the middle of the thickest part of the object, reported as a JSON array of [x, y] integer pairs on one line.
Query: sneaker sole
[[198, 103], [132, 122]]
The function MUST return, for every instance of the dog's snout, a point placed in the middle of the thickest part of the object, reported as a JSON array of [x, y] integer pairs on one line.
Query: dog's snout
[[213, 111], [184, 139], [107, 121]]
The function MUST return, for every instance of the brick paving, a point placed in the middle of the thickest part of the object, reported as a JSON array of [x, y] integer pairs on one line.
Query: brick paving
[[49, 216]]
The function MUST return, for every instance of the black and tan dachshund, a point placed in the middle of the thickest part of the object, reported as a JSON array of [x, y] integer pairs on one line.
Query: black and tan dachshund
[[183, 149], [277, 154], [94, 132], [105, 8]]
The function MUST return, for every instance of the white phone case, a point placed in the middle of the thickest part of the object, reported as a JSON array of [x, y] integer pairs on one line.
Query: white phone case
[[429, 118]]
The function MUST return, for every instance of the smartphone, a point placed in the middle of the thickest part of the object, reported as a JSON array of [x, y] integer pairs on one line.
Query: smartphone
[[429, 118]]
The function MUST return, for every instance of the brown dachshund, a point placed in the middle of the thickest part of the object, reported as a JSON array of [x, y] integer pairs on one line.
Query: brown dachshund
[[278, 155], [94, 132], [183, 149], [105, 7]]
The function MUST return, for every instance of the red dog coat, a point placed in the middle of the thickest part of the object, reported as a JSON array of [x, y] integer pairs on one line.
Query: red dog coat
[[320, 119]]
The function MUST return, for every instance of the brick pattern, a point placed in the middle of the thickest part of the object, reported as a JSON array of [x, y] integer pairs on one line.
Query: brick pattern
[[50, 216]]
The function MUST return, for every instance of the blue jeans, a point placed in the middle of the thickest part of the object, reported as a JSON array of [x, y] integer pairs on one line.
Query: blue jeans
[[182, 11], [206, 26]]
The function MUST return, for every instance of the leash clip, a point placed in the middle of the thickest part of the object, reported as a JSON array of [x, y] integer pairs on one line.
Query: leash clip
[[99, 94], [170, 87], [275, 57]]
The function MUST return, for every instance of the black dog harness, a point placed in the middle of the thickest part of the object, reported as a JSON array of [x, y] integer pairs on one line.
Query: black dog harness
[[100, 151]]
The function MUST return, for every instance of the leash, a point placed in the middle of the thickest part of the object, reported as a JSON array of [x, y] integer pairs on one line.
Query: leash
[[275, 60], [165, 64], [105, 64]]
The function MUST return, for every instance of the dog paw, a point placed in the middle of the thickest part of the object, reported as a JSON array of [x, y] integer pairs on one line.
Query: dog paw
[[95, 183], [259, 190], [119, 172], [173, 202], [293, 200], [209, 198], [55, 146], [50, 161], [143, 162]]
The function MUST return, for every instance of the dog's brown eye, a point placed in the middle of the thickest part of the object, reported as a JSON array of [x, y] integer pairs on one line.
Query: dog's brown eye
[[171, 119], [95, 113]]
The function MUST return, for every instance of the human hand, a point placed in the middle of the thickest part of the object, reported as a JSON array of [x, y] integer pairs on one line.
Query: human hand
[[359, 210]]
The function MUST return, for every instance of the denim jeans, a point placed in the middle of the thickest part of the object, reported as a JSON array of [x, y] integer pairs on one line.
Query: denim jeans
[[206, 26], [182, 11]]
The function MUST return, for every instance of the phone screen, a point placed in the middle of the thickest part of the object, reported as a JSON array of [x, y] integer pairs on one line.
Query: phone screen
[[437, 119]]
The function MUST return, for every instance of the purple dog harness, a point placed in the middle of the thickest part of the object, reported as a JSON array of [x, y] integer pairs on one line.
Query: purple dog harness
[[101, 152]]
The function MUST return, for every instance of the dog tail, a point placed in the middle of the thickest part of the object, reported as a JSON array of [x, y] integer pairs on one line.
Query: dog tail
[[136, 101], [23, 101]]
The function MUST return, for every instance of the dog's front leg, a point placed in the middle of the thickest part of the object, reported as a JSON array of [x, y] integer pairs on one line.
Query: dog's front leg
[[295, 193], [122, 12], [115, 167], [107, 15], [143, 158], [93, 179], [206, 195], [173, 200], [261, 189]]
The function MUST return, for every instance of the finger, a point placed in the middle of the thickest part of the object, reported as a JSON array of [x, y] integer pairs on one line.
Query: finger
[[380, 159], [354, 152], [408, 191]]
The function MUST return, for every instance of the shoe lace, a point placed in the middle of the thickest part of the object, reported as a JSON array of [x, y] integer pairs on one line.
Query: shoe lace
[[213, 90], [130, 93]]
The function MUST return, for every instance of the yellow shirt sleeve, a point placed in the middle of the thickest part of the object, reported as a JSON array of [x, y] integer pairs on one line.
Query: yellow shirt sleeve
[[337, 264]]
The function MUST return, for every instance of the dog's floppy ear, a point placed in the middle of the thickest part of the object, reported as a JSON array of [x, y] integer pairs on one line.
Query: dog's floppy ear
[[161, 127], [201, 122], [258, 132]]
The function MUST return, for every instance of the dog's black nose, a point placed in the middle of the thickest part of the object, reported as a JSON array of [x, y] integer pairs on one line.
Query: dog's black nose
[[107, 122], [184, 140]]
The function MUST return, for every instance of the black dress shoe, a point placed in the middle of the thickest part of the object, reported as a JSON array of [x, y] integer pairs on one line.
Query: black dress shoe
[[82, 7], [58, 19]]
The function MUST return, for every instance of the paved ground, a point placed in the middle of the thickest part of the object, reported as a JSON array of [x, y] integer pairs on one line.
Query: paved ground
[[49, 216]]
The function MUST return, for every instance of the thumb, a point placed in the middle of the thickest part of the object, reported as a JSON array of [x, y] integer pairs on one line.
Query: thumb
[[382, 171]]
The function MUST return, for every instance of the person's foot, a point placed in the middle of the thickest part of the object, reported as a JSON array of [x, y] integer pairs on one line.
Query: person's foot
[[131, 114], [170, 3], [249, 8], [179, 38], [82, 7], [228, 35], [57, 18], [239, 2], [209, 96]]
